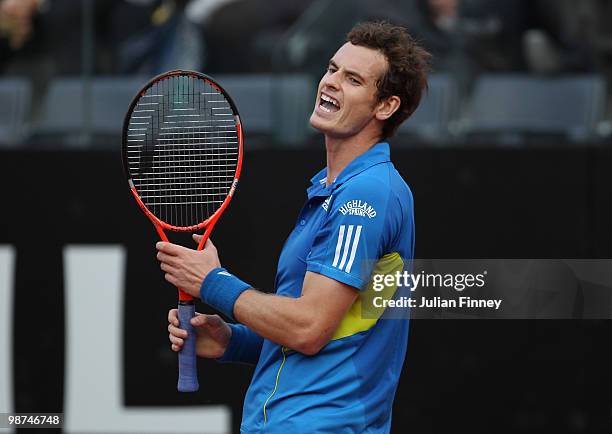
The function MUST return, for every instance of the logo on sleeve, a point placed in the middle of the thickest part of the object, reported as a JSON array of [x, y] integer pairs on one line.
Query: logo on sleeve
[[348, 241], [359, 208]]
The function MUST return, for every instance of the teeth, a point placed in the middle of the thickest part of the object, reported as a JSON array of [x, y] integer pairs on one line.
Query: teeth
[[325, 109], [330, 100]]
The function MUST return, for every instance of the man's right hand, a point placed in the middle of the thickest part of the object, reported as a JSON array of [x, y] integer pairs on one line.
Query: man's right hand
[[212, 334]]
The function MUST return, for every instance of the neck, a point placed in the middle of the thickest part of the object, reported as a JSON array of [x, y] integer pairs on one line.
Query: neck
[[342, 150]]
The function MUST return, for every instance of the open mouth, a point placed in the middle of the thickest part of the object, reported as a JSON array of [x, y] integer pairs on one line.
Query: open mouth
[[328, 104]]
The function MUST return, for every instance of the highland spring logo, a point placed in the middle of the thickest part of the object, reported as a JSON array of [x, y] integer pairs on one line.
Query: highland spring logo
[[325, 204], [359, 208]]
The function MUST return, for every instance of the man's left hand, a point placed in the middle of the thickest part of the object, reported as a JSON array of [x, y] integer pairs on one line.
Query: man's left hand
[[186, 268]]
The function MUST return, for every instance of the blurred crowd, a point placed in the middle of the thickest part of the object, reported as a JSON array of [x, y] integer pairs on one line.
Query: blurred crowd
[[42, 39], [243, 36], [141, 36]]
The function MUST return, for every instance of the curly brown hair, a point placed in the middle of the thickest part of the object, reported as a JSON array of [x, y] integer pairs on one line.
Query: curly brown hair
[[408, 65]]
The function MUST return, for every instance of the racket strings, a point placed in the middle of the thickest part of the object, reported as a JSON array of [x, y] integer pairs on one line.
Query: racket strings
[[183, 149]]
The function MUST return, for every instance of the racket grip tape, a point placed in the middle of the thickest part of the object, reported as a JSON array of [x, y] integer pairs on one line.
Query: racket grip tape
[[188, 374]]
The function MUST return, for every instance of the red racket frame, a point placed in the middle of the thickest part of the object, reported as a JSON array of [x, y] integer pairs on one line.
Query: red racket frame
[[209, 223]]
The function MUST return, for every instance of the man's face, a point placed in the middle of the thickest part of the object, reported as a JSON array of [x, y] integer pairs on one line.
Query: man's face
[[346, 99]]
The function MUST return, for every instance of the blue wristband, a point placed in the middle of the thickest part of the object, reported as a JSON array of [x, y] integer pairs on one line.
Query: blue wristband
[[244, 346], [220, 289]]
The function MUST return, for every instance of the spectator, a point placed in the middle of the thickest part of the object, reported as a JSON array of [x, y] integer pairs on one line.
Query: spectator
[[153, 36], [45, 36], [263, 23], [16, 21], [309, 42], [558, 37], [130, 36], [16, 26], [467, 37]]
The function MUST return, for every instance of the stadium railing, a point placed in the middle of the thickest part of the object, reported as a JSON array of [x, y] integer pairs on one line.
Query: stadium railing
[[273, 108], [80, 113], [433, 120], [519, 109], [16, 100]]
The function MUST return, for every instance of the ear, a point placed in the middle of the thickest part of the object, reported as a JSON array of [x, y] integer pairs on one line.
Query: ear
[[387, 107]]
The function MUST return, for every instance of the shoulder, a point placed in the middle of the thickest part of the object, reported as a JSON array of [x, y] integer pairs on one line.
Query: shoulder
[[381, 184], [375, 179]]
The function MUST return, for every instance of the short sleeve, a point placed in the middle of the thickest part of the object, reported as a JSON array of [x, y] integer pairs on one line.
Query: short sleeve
[[355, 233]]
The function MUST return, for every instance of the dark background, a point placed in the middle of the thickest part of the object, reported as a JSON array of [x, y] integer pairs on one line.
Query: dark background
[[514, 376]]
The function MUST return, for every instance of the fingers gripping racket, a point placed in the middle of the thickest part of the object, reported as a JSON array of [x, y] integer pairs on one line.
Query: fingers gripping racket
[[182, 154]]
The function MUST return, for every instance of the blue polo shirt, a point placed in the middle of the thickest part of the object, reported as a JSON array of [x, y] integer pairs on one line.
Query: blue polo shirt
[[360, 225]]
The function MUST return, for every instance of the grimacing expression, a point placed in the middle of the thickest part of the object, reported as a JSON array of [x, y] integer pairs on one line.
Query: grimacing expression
[[347, 94]]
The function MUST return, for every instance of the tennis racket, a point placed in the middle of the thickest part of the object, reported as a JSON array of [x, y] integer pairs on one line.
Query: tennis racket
[[182, 154]]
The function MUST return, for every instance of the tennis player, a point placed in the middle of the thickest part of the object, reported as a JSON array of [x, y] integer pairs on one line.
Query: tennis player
[[322, 366]]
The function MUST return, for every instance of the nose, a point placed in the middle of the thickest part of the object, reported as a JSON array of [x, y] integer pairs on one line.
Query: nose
[[330, 80]]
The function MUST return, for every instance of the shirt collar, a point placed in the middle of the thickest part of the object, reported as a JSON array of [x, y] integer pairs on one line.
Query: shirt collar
[[379, 153]]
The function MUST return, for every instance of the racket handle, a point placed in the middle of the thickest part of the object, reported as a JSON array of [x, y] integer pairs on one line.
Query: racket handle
[[188, 374]]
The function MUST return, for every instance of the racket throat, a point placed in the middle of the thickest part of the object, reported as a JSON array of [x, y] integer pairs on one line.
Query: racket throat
[[184, 298]]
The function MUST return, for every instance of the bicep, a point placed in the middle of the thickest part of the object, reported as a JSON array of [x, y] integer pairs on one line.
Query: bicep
[[329, 299]]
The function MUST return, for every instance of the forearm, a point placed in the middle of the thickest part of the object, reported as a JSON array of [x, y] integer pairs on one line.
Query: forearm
[[304, 324], [284, 320]]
